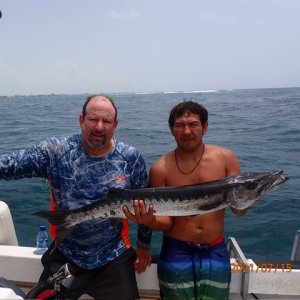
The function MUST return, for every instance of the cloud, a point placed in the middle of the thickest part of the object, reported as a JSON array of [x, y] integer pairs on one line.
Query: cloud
[[124, 15]]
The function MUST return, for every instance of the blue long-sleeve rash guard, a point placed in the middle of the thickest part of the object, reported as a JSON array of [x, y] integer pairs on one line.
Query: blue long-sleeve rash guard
[[76, 179]]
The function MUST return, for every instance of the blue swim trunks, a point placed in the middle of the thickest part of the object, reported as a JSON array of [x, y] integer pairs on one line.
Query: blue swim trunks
[[193, 272]]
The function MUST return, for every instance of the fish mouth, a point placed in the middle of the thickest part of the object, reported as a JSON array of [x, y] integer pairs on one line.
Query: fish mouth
[[256, 185], [272, 181]]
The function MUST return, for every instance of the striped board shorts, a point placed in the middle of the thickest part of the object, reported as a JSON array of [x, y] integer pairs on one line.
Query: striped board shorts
[[193, 272]]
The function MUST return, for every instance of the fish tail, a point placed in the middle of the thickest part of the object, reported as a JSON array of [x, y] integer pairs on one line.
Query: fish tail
[[54, 217], [61, 232]]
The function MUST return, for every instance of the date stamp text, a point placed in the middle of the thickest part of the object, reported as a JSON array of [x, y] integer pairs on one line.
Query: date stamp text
[[262, 267]]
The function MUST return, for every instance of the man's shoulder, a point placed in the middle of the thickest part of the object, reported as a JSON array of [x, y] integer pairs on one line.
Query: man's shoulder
[[126, 150], [121, 146], [59, 144], [75, 138], [163, 163], [216, 149], [223, 157], [164, 158]]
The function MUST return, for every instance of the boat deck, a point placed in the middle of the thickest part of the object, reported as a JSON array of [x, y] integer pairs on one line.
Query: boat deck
[[21, 266], [249, 279]]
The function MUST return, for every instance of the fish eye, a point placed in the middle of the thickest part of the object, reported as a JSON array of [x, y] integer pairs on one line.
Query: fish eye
[[252, 185]]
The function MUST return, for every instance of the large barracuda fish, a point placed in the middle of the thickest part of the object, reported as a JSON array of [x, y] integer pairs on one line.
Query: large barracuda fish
[[238, 192]]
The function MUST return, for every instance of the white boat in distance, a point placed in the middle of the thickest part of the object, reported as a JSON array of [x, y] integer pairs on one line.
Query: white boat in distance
[[250, 280]]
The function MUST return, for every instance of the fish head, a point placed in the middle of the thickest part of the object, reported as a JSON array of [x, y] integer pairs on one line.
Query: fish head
[[249, 187]]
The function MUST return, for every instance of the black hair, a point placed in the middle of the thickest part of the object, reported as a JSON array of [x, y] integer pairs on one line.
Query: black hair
[[188, 106]]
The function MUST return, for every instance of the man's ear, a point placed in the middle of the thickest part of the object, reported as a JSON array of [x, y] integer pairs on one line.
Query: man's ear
[[205, 128], [171, 129], [81, 120]]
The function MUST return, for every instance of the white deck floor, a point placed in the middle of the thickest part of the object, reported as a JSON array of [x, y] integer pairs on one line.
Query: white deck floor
[[21, 266]]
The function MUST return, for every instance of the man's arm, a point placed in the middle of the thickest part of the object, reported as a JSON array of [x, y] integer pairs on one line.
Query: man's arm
[[30, 162], [145, 215], [139, 178], [157, 179], [144, 258], [146, 219]]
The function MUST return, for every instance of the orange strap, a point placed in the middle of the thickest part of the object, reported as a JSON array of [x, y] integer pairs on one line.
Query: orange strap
[[125, 233], [52, 229]]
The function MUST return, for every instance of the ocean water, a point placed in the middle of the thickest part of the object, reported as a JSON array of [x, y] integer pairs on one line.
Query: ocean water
[[260, 125]]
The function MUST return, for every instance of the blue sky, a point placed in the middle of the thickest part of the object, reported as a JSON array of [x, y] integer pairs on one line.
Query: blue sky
[[89, 46]]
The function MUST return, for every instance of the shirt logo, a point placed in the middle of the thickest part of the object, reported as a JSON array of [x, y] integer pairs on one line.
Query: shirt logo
[[120, 179]]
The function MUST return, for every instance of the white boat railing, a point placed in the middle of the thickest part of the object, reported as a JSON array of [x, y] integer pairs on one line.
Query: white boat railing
[[266, 280], [296, 247], [236, 252]]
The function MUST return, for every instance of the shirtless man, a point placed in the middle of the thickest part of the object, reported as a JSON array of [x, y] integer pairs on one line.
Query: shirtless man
[[194, 261]]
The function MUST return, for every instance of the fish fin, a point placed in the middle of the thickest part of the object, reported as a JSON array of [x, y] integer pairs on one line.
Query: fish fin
[[209, 206], [112, 191], [61, 232], [115, 221], [56, 243], [54, 217]]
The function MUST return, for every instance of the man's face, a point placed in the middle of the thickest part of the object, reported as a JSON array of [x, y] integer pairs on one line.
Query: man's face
[[188, 131], [98, 125]]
